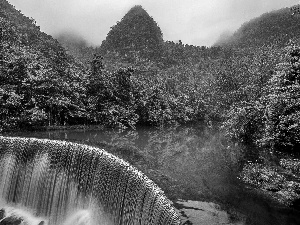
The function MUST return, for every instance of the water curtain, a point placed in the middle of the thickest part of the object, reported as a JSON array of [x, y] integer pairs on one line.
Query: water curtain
[[65, 181]]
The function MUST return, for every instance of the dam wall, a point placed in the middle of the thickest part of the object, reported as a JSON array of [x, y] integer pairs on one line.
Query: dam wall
[[60, 180]]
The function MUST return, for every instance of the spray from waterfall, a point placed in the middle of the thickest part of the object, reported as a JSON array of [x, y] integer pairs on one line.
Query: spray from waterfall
[[72, 184]]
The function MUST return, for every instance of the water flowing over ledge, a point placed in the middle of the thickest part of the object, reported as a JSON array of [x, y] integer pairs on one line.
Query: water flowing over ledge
[[69, 183]]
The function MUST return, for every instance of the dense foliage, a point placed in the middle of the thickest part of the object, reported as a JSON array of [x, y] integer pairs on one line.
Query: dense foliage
[[271, 119], [252, 86], [39, 83], [275, 27], [282, 112]]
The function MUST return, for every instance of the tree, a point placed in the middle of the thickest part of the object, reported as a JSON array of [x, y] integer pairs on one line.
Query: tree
[[282, 112], [110, 96]]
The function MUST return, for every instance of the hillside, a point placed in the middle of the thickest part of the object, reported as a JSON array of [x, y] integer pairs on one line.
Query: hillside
[[39, 81], [23, 31], [276, 27]]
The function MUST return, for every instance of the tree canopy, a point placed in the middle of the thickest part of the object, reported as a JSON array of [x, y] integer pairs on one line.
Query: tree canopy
[[250, 83]]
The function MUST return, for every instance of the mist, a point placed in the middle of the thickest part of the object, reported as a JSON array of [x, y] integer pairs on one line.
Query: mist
[[192, 21], [69, 37]]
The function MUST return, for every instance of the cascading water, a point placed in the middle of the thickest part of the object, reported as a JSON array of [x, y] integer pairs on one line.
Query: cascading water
[[67, 183]]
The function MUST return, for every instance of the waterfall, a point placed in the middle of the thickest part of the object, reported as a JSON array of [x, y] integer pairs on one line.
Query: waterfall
[[68, 183]]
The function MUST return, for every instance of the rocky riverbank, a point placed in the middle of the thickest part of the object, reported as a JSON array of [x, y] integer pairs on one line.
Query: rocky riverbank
[[279, 181]]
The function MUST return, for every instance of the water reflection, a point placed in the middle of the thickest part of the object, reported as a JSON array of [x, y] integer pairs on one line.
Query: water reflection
[[195, 158], [192, 155]]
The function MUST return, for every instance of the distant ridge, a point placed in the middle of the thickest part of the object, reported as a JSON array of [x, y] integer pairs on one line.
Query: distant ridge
[[136, 33], [276, 27]]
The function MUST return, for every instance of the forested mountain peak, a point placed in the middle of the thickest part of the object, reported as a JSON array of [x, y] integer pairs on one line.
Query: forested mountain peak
[[275, 27], [136, 10], [136, 34]]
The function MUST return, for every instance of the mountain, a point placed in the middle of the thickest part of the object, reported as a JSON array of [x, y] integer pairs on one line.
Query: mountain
[[276, 28], [136, 35]]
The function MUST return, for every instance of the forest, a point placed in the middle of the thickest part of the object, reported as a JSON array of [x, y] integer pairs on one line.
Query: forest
[[247, 86], [137, 78]]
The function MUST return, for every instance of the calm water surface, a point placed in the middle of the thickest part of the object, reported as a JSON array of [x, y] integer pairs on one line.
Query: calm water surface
[[196, 167]]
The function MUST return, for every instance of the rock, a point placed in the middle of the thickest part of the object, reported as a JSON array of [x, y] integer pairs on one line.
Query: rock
[[15, 216], [9, 219], [205, 213], [2, 213]]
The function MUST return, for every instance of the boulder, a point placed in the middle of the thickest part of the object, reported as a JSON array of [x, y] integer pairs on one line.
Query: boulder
[[15, 216]]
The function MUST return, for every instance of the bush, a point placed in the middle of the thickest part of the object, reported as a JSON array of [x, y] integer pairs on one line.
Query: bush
[[244, 122]]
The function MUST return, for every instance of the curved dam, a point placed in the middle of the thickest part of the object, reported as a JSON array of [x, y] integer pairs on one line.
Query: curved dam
[[69, 183]]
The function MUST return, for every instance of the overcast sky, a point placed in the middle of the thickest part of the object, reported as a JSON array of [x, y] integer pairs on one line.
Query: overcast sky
[[197, 22]]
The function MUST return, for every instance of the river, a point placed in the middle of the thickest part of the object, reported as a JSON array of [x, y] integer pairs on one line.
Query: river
[[196, 167]]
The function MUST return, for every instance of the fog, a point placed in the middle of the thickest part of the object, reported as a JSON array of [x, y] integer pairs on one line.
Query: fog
[[192, 21]]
